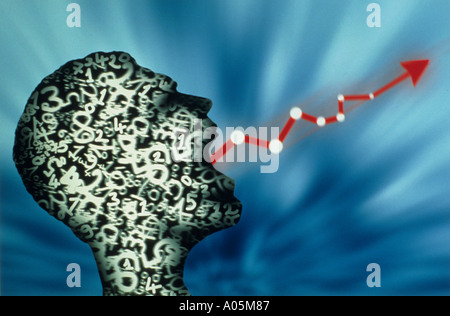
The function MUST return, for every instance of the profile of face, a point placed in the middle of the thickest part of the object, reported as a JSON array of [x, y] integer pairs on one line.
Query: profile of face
[[94, 148]]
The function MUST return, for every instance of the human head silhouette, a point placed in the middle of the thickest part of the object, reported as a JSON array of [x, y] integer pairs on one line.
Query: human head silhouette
[[94, 149]]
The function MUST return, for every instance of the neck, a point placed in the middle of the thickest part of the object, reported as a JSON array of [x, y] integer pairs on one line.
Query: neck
[[132, 266]]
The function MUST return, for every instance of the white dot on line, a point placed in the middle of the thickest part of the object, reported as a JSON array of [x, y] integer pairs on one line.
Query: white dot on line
[[275, 146], [321, 121], [296, 113], [237, 137], [340, 97], [340, 117]]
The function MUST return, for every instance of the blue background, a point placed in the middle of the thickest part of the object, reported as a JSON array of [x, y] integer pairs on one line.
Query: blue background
[[373, 189]]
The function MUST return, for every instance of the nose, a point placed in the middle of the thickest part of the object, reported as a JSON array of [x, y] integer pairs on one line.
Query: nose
[[195, 103]]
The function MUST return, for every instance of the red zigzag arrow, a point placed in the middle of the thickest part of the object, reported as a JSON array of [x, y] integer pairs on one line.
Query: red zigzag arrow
[[414, 70]]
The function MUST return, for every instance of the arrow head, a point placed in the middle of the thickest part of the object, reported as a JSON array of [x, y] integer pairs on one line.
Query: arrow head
[[415, 69]]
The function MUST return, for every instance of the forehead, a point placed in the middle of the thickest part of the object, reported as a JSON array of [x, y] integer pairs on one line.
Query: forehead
[[119, 74]]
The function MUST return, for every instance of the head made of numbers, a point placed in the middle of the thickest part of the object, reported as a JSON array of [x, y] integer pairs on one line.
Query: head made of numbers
[[94, 148]]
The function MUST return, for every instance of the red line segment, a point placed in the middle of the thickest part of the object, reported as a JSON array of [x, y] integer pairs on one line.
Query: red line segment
[[222, 151], [256, 141], [391, 84], [331, 119], [356, 97], [341, 106], [286, 129], [309, 118]]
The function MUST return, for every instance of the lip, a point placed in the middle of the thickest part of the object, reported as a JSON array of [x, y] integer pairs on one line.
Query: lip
[[228, 183]]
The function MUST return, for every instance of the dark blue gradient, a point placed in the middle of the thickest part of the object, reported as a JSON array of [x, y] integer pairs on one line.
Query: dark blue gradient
[[375, 189]]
